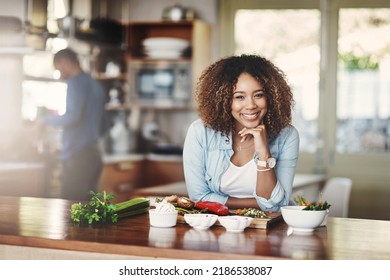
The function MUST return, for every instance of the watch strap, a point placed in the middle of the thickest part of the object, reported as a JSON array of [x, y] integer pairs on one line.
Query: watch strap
[[264, 163]]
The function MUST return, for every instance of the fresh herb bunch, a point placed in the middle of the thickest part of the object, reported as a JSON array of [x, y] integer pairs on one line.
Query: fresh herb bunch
[[99, 209], [314, 206]]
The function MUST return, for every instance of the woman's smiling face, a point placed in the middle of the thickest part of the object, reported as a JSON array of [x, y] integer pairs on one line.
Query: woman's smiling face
[[249, 104]]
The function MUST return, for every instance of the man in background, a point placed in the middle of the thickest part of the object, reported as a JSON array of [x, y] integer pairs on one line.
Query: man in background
[[82, 125]]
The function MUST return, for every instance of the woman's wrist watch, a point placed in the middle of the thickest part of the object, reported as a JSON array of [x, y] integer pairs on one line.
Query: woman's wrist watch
[[269, 163]]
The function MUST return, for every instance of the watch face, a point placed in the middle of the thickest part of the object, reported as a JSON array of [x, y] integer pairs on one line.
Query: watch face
[[271, 162]]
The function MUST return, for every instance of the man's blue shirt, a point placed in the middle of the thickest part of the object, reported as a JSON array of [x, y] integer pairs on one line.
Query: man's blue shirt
[[84, 116]]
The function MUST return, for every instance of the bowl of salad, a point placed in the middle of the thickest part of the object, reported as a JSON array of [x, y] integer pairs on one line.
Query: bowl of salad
[[302, 220], [319, 205], [306, 216]]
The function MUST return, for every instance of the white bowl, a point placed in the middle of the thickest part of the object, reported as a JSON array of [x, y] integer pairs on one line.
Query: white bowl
[[162, 219], [200, 221], [235, 223], [302, 220], [325, 221]]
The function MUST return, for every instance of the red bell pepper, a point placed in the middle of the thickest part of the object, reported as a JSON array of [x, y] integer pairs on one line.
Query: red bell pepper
[[213, 207]]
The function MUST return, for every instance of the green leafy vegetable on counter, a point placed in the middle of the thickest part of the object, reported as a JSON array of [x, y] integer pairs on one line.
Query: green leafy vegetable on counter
[[99, 209]]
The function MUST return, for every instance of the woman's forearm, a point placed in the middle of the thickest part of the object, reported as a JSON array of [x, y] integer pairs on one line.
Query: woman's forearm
[[266, 182]]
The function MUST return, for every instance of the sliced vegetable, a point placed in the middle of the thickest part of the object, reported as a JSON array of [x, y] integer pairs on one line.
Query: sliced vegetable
[[251, 212], [213, 207], [132, 204]]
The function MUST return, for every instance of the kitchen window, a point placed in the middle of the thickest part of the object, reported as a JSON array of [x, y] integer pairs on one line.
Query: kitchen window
[[277, 35], [40, 90], [363, 94]]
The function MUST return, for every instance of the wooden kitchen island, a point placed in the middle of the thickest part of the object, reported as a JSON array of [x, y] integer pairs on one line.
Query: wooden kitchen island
[[28, 224]]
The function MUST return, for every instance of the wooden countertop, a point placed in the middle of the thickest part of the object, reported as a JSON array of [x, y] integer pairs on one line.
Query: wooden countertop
[[44, 223]]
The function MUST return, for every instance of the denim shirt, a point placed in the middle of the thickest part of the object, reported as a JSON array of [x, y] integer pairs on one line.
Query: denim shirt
[[206, 157]]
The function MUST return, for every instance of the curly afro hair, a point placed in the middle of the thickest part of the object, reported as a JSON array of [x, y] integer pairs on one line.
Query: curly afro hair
[[214, 93]]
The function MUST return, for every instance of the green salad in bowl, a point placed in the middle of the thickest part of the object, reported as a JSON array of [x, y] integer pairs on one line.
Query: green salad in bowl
[[314, 206]]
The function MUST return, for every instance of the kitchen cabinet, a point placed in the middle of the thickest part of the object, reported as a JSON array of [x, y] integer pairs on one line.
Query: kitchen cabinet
[[197, 56], [121, 175], [112, 65], [110, 69], [162, 170], [125, 175], [196, 32]]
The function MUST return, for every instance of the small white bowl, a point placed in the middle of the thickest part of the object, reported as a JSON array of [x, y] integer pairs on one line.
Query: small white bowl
[[235, 223], [302, 220], [200, 221], [162, 219]]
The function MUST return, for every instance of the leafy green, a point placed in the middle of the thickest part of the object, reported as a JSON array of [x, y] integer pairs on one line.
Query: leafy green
[[317, 207], [352, 61], [314, 206], [99, 209]]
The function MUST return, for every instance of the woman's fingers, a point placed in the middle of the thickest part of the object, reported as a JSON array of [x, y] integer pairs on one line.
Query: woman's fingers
[[246, 131]]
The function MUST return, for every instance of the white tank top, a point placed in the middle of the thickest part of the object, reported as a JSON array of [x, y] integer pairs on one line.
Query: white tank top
[[239, 181]]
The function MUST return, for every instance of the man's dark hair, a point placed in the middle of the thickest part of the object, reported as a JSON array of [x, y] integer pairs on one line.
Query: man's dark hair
[[67, 54]]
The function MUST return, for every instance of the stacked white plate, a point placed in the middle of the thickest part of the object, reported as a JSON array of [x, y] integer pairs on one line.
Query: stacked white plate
[[165, 47]]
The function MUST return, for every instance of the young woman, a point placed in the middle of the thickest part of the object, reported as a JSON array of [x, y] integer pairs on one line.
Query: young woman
[[243, 150]]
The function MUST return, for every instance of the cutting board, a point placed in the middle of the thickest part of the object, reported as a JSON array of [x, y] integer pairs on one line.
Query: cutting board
[[258, 223]]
